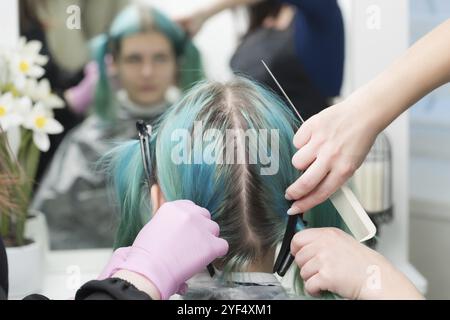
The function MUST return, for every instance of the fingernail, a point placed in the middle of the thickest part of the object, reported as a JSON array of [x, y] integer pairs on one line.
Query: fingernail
[[293, 210], [288, 197]]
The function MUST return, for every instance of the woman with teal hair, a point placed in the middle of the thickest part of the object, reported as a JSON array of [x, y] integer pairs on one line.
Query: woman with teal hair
[[226, 147], [144, 25], [143, 60]]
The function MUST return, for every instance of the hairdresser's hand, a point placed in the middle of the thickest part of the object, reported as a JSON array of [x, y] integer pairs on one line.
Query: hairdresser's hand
[[178, 242], [80, 97], [331, 260], [192, 23], [332, 145], [334, 142]]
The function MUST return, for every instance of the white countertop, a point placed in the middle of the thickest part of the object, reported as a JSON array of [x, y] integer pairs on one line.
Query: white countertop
[[66, 271]]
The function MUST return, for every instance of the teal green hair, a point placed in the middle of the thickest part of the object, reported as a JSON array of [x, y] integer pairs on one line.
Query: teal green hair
[[249, 207], [135, 19]]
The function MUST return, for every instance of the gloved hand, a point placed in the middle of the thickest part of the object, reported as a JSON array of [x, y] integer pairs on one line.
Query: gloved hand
[[178, 242], [80, 97]]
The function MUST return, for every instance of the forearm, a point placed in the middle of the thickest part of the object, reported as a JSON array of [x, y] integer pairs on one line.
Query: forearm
[[391, 285], [424, 67], [220, 5]]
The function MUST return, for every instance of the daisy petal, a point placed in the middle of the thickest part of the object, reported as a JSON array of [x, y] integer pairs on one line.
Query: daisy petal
[[9, 121], [53, 101], [43, 87], [19, 81], [53, 127], [40, 108], [41, 60], [41, 141], [33, 47], [36, 72]]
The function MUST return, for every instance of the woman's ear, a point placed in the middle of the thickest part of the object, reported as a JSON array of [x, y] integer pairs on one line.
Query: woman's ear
[[156, 197]]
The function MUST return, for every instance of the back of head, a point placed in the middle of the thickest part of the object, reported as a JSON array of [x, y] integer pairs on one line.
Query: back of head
[[228, 148], [221, 147]]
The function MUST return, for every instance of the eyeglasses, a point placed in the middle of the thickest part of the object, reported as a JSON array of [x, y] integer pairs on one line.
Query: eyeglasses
[[144, 133]]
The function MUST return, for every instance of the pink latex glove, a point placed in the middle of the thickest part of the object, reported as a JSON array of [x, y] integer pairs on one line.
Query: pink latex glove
[[80, 97], [119, 256], [177, 243]]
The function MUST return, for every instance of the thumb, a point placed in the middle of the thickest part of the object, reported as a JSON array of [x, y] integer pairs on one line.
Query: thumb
[[220, 247]]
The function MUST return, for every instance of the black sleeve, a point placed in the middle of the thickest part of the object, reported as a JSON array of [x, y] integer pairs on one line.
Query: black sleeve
[[2, 294], [110, 289], [3, 272]]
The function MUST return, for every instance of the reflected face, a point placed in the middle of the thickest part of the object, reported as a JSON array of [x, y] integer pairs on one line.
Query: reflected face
[[146, 67]]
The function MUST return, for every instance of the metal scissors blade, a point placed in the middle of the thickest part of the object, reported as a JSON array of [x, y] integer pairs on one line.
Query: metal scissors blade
[[284, 93]]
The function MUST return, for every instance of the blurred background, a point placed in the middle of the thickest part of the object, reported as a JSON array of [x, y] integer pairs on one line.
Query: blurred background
[[429, 166]]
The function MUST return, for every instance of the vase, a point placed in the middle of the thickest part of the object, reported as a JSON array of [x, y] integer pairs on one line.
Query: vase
[[26, 264]]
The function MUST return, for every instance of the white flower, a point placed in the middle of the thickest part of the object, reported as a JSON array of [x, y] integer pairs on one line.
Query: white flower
[[41, 121], [23, 107], [27, 62], [8, 113], [41, 92]]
